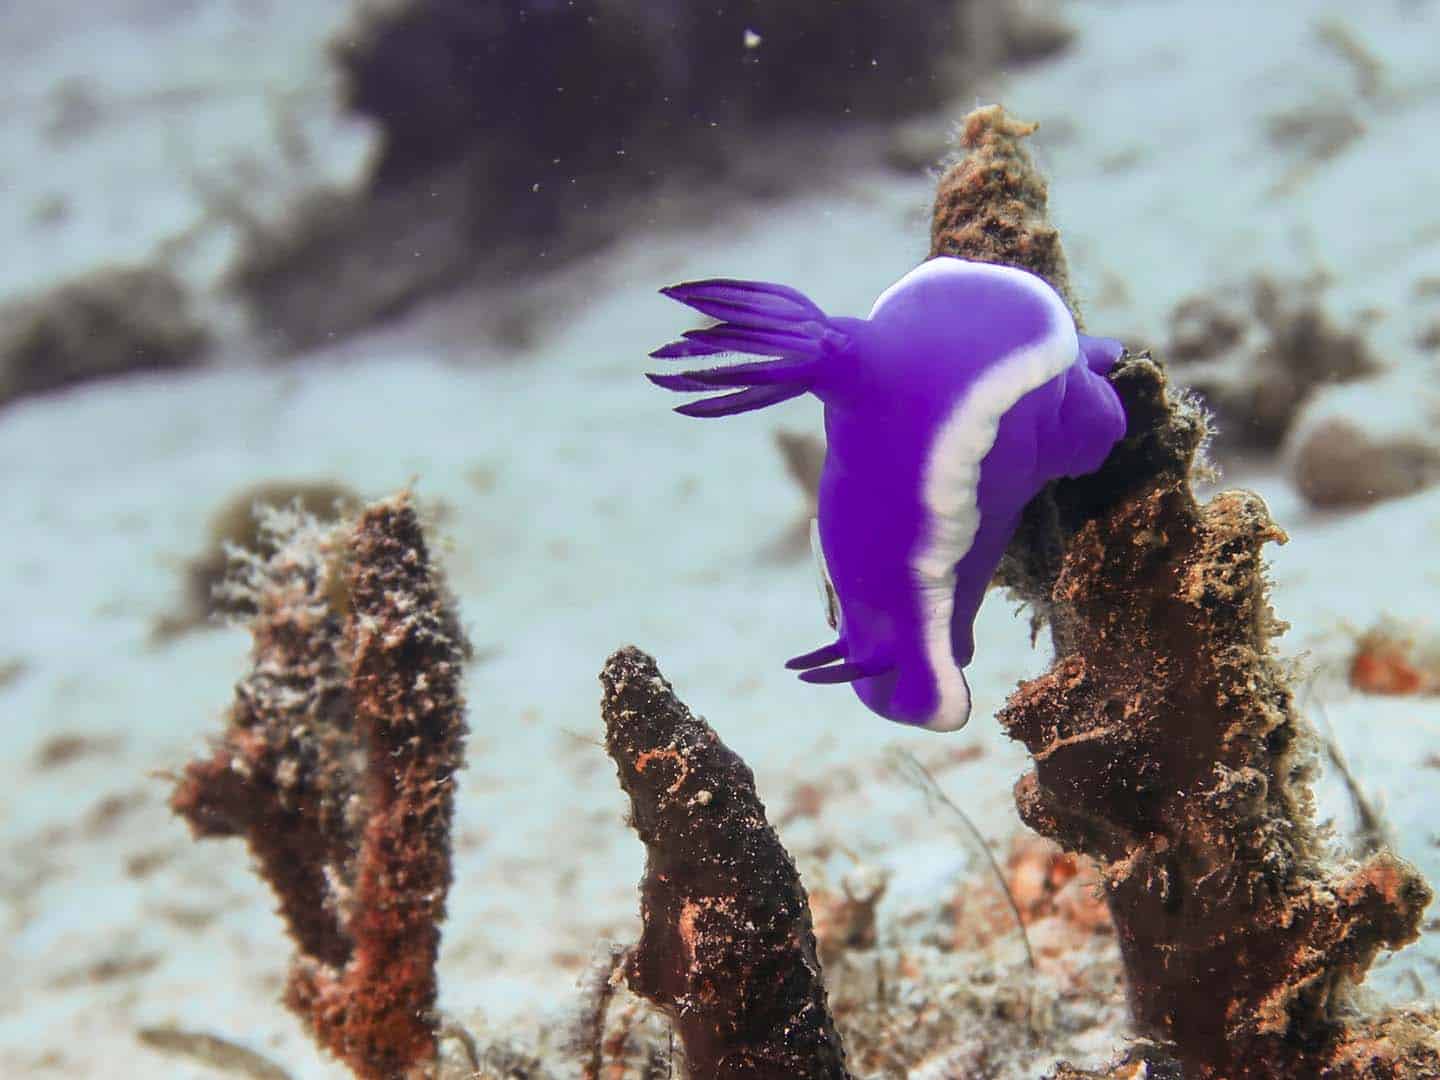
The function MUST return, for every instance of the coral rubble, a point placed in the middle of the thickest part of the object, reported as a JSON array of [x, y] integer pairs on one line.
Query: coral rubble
[[990, 203], [111, 321], [513, 135], [337, 767], [1257, 352], [1165, 739], [1394, 657], [728, 948], [1365, 442]]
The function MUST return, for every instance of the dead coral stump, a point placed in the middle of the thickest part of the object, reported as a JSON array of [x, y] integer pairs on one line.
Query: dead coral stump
[[108, 322], [338, 769], [1166, 746], [990, 204], [1165, 737], [728, 948]]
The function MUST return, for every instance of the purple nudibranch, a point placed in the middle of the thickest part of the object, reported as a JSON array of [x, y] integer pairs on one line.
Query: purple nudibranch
[[965, 391]]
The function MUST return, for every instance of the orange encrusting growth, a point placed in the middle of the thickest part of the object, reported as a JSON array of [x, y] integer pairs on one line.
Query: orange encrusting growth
[[1165, 738], [338, 769], [1391, 659]]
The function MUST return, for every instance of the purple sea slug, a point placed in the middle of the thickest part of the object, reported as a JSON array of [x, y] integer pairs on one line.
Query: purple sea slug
[[964, 392]]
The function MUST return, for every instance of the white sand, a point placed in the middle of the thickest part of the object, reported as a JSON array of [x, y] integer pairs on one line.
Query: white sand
[[579, 515]]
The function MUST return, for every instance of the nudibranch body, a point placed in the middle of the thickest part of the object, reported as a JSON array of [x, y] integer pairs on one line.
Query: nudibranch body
[[964, 392]]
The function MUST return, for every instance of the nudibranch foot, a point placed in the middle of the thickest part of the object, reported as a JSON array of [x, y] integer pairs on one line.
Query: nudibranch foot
[[964, 392]]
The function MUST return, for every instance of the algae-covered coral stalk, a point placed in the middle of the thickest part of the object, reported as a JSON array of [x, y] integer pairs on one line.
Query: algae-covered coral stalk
[[728, 948], [338, 768], [1165, 737]]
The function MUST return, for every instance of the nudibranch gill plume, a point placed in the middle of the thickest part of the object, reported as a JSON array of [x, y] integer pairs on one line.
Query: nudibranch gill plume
[[965, 391]]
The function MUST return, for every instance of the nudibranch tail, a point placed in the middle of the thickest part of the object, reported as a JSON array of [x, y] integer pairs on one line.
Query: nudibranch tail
[[759, 319]]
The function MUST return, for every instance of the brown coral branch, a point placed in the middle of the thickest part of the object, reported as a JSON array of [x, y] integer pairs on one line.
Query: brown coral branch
[[1167, 745], [990, 206], [283, 771], [728, 948], [338, 768]]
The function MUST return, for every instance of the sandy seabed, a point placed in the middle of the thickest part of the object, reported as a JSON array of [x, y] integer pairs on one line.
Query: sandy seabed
[[575, 514]]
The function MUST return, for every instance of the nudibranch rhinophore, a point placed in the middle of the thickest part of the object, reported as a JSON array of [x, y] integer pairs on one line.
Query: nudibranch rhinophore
[[965, 391]]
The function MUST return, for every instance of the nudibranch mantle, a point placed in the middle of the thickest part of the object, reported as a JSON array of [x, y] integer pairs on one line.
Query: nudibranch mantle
[[965, 391]]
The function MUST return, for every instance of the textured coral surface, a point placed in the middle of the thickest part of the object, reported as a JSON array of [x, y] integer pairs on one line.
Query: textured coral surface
[[728, 948], [990, 204], [338, 769], [1165, 738]]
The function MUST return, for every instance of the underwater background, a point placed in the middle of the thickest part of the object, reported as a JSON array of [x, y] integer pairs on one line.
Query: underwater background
[[335, 250]]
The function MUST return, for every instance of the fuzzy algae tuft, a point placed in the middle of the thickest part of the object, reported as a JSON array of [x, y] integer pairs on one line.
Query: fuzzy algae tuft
[[337, 767]]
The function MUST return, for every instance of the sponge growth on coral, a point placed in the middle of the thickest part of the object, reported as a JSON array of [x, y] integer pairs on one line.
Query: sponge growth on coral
[[1166, 742], [338, 768]]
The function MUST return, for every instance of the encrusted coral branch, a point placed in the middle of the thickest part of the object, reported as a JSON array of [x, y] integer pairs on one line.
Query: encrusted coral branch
[[338, 768], [1165, 738], [728, 948], [990, 204]]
